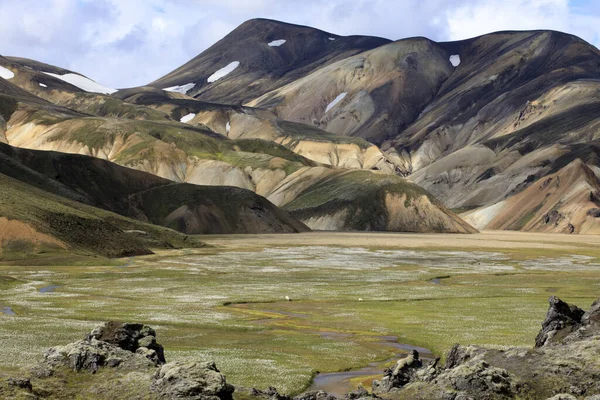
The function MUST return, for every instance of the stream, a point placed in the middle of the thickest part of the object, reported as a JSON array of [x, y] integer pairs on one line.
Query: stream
[[338, 383], [7, 310], [49, 289]]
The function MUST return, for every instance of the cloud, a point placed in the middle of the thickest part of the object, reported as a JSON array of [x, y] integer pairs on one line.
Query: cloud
[[128, 43]]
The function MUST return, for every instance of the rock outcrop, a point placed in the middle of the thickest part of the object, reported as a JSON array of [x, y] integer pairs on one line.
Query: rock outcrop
[[121, 360], [193, 381], [561, 320], [111, 345], [400, 375], [564, 364]]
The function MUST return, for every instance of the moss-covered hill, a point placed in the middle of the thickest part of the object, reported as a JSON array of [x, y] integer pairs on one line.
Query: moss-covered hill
[[362, 200]]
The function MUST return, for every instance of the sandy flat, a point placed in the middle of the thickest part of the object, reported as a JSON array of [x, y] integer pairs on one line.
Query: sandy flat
[[484, 240]]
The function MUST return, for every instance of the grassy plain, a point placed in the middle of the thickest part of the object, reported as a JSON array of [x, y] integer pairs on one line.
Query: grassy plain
[[349, 292]]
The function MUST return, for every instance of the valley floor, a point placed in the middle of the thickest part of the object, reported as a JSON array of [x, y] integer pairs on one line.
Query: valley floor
[[352, 296]]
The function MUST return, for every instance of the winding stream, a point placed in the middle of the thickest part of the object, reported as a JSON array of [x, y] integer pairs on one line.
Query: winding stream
[[339, 383]]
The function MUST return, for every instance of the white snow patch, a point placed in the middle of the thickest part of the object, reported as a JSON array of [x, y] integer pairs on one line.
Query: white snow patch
[[187, 118], [336, 101], [223, 72], [227, 127], [277, 43], [83, 83], [180, 89], [42, 85], [455, 60], [6, 73], [332, 39]]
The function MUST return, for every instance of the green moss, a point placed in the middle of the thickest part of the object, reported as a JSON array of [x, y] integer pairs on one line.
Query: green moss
[[361, 192]]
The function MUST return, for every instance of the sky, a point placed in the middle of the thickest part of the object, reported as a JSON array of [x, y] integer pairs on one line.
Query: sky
[[125, 43]]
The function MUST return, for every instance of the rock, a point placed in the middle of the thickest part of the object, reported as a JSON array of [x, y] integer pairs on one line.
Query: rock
[[594, 212], [113, 345], [360, 393], [562, 396], [480, 377], [90, 355], [129, 337], [270, 393], [400, 375], [193, 381], [571, 228], [21, 383], [315, 395], [561, 320]]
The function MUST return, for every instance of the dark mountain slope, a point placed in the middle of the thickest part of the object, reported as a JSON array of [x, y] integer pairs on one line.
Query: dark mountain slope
[[132, 193], [262, 67]]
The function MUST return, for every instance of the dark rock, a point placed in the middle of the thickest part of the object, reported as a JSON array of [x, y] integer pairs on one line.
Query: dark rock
[[130, 337], [456, 356], [400, 375], [315, 395], [360, 393], [594, 212], [561, 320], [270, 393], [571, 228], [553, 217], [21, 383]]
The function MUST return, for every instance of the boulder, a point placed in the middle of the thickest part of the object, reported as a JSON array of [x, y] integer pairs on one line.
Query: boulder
[[130, 337], [191, 381], [91, 354], [400, 375], [271, 394], [561, 320], [315, 395]]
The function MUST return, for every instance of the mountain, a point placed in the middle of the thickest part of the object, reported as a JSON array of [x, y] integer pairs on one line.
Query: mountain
[[474, 122], [258, 56], [261, 153], [373, 95], [314, 121], [567, 201]]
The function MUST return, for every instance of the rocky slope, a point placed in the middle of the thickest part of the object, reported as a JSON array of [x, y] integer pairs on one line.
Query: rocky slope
[[567, 201], [265, 54], [372, 95]]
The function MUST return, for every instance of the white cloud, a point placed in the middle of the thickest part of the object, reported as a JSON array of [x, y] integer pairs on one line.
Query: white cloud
[[126, 43]]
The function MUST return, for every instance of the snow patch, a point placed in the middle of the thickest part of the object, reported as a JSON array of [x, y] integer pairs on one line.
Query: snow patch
[[83, 83], [42, 85], [6, 73], [336, 101], [187, 118], [277, 43], [227, 127], [183, 89], [332, 39], [455, 60], [223, 72]]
